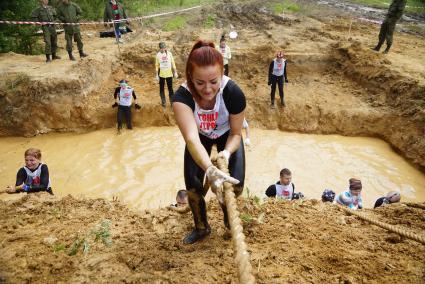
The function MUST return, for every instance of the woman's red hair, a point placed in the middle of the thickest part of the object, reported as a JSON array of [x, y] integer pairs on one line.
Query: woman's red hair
[[203, 54]]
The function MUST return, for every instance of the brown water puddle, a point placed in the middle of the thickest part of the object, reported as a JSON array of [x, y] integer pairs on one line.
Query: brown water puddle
[[144, 167]]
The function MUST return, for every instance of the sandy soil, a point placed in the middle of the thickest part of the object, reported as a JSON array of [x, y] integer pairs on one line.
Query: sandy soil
[[39, 235], [337, 85]]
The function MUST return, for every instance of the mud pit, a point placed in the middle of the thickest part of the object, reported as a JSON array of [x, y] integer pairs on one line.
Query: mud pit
[[126, 166], [337, 86]]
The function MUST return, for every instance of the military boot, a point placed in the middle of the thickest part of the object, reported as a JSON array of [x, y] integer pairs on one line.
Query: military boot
[[54, 56], [71, 57], [48, 60], [82, 54], [387, 49], [377, 48]]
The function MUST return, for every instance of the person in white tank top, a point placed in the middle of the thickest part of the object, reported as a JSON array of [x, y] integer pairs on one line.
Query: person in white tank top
[[124, 96], [277, 75], [33, 177], [284, 188], [209, 110]]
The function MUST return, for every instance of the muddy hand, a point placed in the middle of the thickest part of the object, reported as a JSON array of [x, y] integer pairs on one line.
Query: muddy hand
[[217, 178], [225, 155], [9, 189]]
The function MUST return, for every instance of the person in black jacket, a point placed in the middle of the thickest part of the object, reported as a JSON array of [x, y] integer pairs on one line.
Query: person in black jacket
[[33, 177], [277, 73]]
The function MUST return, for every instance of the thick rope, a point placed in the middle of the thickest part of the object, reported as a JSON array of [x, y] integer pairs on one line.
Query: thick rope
[[416, 205], [391, 228], [242, 258]]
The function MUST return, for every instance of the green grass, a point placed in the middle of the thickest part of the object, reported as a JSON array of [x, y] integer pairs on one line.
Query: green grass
[[174, 23], [246, 218], [209, 21], [413, 6], [101, 232], [136, 7], [285, 6]]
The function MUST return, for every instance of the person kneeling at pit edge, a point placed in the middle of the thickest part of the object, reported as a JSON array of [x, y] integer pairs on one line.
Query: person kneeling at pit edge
[[352, 197], [33, 177], [124, 95], [284, 188], [391, 197]]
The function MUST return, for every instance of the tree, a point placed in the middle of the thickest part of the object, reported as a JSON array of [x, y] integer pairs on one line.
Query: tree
[[18, 38]]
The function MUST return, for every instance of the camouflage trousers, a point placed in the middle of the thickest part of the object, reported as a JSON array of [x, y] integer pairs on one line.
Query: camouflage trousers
[[387, 31], [50, 39], [76, 37]]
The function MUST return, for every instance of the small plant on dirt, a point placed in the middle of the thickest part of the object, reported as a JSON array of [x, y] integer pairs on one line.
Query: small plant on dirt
[[290, 6], [209, 21], [246, 218], [254, 198], [175, 23], [59, 247], [297, 203], [101, 232], [13, 83]]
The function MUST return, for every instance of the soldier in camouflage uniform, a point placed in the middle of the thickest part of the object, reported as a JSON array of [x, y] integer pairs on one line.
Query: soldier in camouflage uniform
[[46, 13], [69, 12], [395, 11]]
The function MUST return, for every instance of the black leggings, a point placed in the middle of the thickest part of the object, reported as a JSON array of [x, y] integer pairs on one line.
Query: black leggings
[[194, 177], [226, 69], [124, 111], [162, 81], [277, 80]]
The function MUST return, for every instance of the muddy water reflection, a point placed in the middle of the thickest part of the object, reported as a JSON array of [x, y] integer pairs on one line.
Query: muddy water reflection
[[144, 168]]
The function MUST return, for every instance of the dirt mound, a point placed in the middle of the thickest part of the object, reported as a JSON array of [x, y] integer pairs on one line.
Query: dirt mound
[[389, 87], [78, 240], [399, 94]]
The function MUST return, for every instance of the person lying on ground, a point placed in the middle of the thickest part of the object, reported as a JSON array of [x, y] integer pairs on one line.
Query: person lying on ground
[[351, 197], [391, 197], [124, 95], [33, 177], [209, 110], [284, 188]]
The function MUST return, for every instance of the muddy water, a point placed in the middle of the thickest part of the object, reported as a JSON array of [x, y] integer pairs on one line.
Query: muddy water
[[144, 167]]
